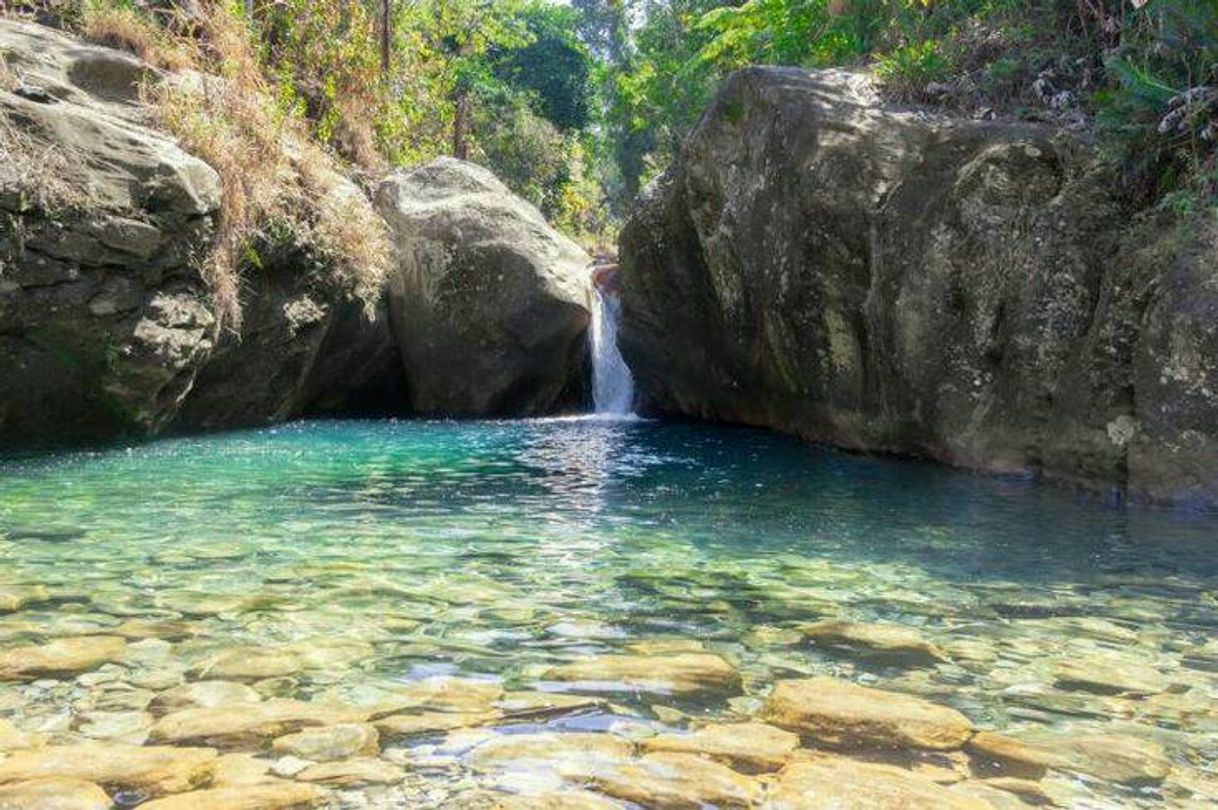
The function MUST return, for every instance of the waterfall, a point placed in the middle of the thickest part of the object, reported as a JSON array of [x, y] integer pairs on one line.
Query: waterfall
[[612, 385]]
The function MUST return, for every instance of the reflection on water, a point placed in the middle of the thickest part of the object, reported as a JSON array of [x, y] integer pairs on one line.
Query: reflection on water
[[500, 548]]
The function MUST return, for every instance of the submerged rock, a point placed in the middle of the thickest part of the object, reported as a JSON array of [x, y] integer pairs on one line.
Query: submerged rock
[[558, 800], [352, 773], [1001, 755], [1119, 758], [411, 725], [845, 784], [1109, 676], [441, 694], [673, 781], [154, 770], [683, 673], [881, 641], [271, 796], [330, 742], [840, 714], [747, 746], [489, 303], [16, 597], [204, 695], [249, 723], [562, 753], [54, 793], [13, 739], [878, 278], [65, 656]]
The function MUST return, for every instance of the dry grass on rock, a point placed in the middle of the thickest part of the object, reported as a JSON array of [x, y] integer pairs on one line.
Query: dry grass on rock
[[124, 28], [280, 188]]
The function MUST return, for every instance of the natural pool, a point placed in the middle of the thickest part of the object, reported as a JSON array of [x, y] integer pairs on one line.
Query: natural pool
[[372, 566]]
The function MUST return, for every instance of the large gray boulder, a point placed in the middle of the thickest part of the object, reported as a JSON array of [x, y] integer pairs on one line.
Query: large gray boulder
[[488, 302], [103, 317], [106, 324], [889, 280]]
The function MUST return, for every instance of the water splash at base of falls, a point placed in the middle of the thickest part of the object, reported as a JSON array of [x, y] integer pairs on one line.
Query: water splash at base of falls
[[612, 383]]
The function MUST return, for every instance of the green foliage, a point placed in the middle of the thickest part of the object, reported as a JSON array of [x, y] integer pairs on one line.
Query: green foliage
[[909, 68], [553, 65], [577, 104], [1161, 113]]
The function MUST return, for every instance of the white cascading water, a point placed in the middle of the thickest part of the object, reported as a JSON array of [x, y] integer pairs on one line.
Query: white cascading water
[[612, 384]]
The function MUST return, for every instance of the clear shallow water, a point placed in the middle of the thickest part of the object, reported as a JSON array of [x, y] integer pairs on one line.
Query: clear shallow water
[[496, 549]]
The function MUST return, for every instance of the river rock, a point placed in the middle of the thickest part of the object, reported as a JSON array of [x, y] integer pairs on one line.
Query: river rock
[[16, 597], [840, 714], [54, 793], [683, 674], [352, 773], [270, 796], [1117, 758], [441, 693], [489, 303], [1109, 676], [882, 641], [154, 770], [542, 704], [561, 752], [673, 781], [330, 742], [249, 664], [823, 263], [64, 656], [838, 783], [249, 723], [991, 796], [1000, 755], [237, 770], [128, 727], [558, 800], [204, 695], [412, 725], [746, 746], [13, 739]]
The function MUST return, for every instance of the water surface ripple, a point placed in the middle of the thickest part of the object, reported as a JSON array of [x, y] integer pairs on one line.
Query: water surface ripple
[[498, 549]]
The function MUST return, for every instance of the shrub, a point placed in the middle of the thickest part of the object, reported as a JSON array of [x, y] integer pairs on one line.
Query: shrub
[[906, 71]]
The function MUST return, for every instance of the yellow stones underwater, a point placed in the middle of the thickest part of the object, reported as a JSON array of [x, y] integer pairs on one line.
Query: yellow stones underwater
[[839, 714]]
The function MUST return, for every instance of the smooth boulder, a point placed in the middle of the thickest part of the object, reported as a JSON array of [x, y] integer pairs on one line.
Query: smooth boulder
[[489, 304]]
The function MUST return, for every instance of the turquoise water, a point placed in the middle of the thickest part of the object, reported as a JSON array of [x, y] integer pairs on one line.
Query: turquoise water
[[496, 549]]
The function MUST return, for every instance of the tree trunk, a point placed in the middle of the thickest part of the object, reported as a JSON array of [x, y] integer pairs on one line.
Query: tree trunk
[[386, 36], [461, 126]]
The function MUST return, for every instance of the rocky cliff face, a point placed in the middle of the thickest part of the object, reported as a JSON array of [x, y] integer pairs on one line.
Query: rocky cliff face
[[103, 319], [887, 280], [489, 303], [106, 325]]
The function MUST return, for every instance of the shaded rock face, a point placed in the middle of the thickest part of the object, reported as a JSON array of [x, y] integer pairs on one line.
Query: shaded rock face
[[819, 263], [489, 303], [102, 315], [106, 326]]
